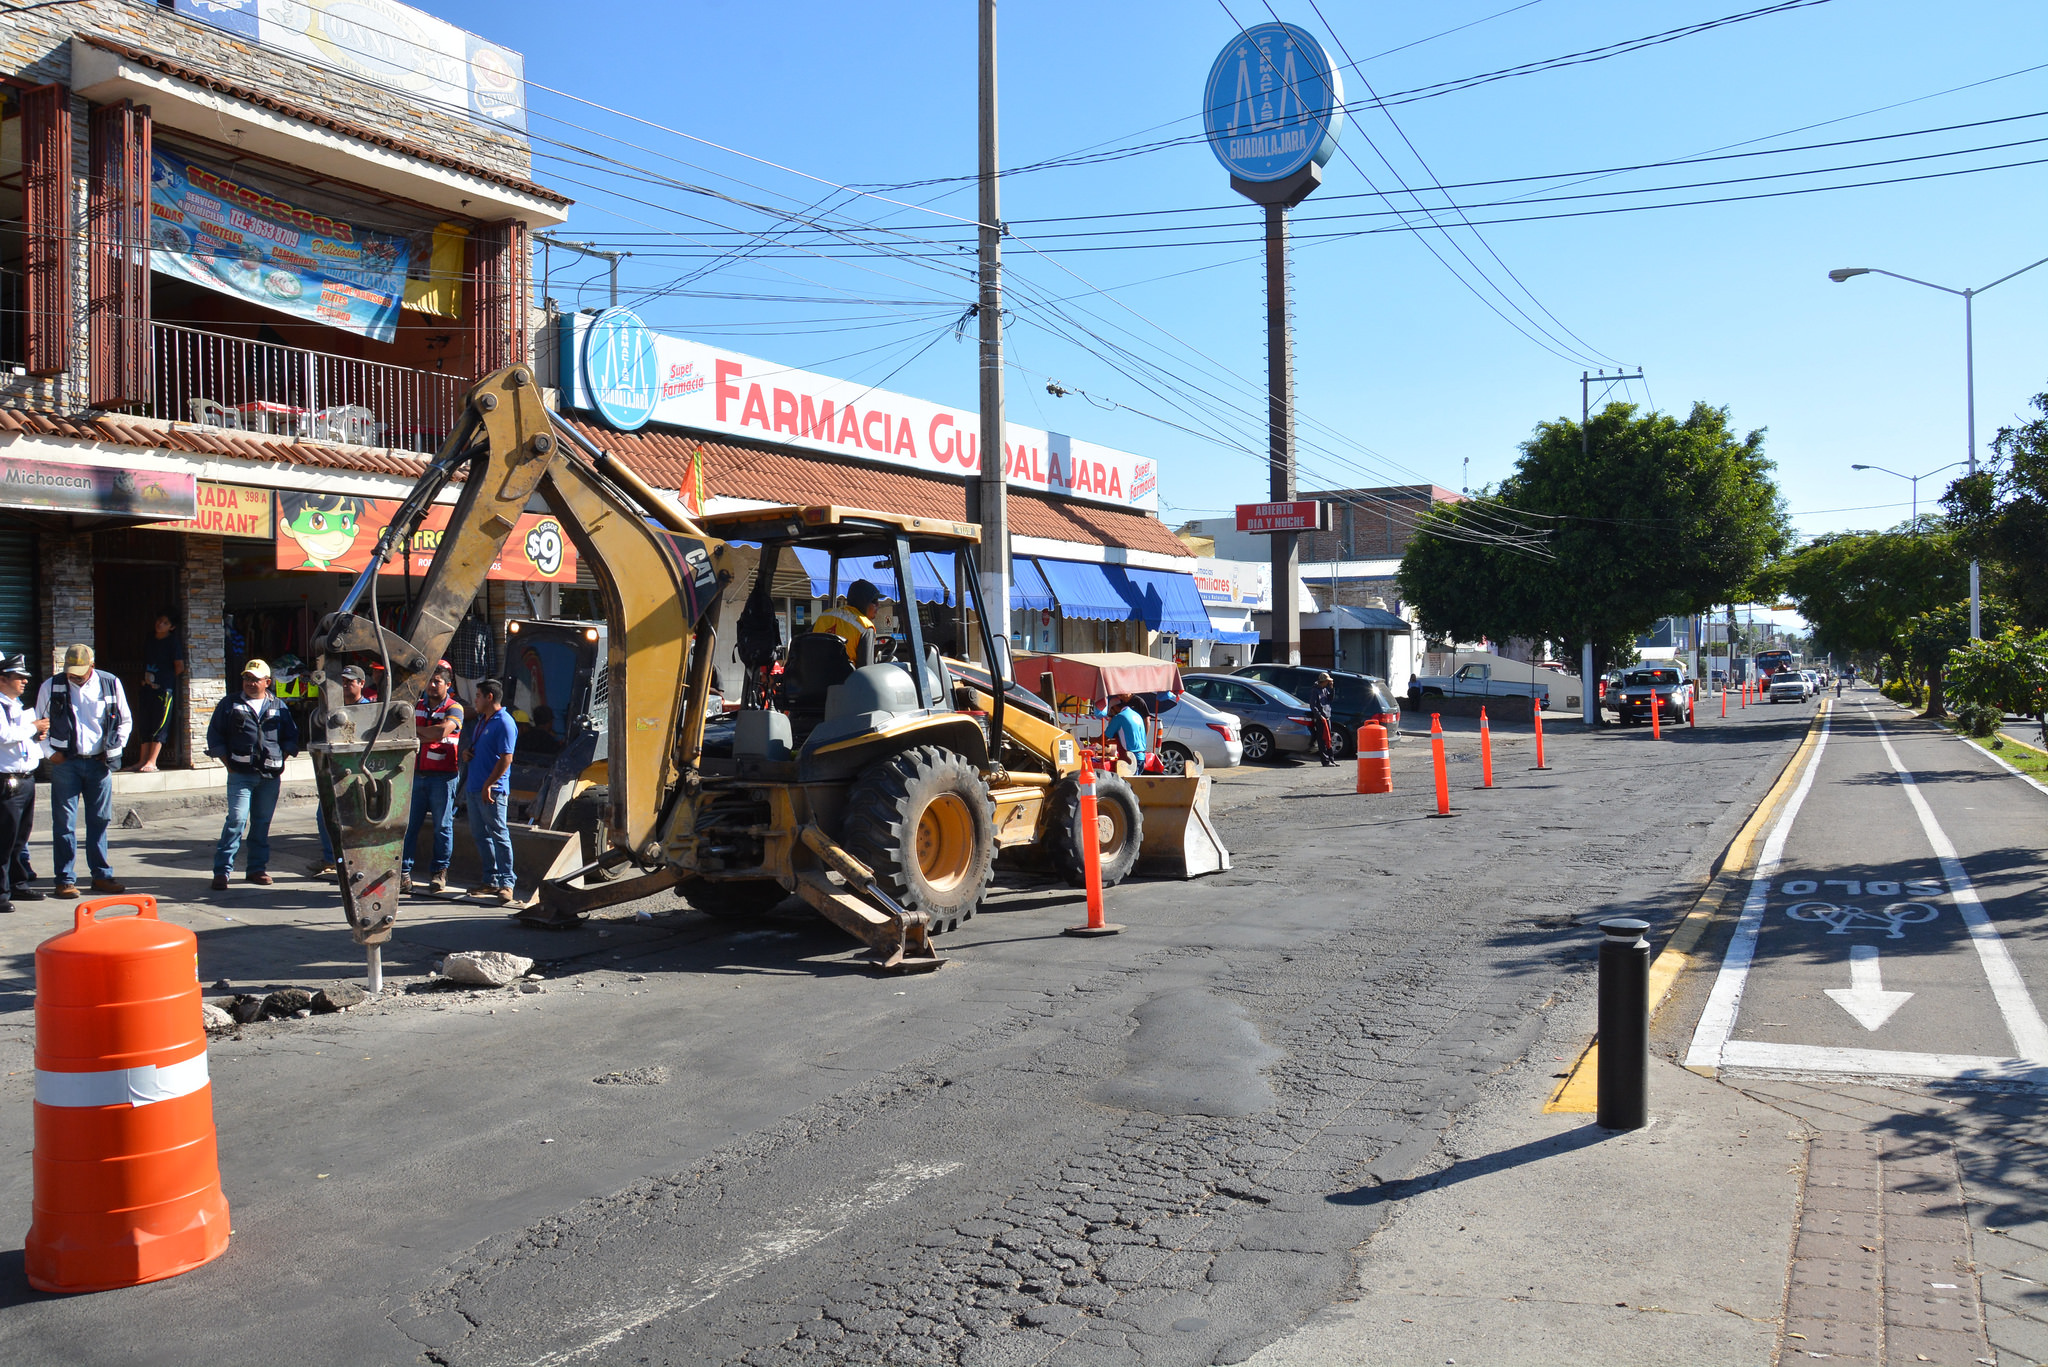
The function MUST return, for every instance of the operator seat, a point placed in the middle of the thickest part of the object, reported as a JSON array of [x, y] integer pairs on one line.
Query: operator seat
[[817, 661]]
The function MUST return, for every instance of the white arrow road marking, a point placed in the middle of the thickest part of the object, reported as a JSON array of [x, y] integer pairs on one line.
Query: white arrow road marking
[[2015, 1003], [1865, 997]]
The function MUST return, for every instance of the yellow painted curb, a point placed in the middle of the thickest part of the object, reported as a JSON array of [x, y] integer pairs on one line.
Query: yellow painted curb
[[1578, 1093]]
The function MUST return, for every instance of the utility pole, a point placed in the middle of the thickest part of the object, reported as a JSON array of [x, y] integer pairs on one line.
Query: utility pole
[[987, 491], [1588, 686], [611, 259]]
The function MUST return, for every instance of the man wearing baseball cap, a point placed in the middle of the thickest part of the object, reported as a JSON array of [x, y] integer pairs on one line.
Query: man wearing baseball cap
[[253, 734], [89, 718], [20, 729]]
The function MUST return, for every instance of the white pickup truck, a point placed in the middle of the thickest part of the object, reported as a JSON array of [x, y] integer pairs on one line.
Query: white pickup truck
[[1499, 678]]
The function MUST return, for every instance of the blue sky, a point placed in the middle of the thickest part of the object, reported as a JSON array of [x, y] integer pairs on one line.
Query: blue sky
[[1403, 373]]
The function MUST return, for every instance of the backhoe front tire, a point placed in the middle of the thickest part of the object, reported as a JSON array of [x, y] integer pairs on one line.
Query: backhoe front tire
[[923, 821], [1119, 829]]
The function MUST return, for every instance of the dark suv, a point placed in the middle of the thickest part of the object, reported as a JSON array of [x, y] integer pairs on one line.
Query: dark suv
[[1360, 698]]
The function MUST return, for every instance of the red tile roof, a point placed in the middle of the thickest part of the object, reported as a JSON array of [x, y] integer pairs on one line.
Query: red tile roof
[[778, 475], [663, 459]]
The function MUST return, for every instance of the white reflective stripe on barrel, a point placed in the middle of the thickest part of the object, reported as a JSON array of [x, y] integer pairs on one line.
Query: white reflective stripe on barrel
[[122, 1086], [1372, 754]]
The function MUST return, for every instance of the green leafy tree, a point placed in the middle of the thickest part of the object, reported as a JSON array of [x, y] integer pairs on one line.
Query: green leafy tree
[[1859, 589], [1652, 516], [2004, 673], [2001, 515], [1932, 637]]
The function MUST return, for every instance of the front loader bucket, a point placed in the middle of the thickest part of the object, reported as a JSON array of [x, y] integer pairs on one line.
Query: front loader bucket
[[1180, 839], [537, 855]]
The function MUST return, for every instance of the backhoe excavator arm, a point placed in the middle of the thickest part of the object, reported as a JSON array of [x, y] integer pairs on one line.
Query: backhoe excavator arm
[[661, 577]]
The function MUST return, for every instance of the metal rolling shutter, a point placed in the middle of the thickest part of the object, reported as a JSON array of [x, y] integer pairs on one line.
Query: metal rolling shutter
[[20, 622]]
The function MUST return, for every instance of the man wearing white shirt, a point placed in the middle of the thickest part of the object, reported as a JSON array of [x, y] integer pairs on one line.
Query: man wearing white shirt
[[89, 721], [20, 729]]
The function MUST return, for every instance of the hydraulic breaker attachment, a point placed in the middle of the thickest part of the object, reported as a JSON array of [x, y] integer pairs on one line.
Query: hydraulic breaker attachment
[[900, 941], [362, 762]]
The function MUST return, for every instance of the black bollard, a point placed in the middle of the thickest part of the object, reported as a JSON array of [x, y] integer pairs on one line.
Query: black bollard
[[1624, 1025]]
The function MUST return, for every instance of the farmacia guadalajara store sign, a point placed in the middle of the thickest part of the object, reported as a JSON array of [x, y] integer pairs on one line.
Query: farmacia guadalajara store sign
[[615, 367]]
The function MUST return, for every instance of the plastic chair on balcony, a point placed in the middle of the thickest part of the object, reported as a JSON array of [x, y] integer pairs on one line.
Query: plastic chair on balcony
[[209, 413], [349, 423]]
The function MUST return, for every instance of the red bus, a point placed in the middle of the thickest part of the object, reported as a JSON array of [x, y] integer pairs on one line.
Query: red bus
[[1769, 662]]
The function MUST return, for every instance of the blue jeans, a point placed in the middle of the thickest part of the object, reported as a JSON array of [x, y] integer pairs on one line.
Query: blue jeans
[[251, 800], [433, 799], [493, 836], [70, 781]]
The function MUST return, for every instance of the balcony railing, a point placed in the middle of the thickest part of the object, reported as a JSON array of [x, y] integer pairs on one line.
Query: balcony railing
[[247, 386]]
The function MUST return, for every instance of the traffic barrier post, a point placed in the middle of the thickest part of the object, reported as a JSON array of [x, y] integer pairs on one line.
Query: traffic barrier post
[[1375, 763], [126, 1169], [1538, 713], [1724, 704], [1443, 780], [1624, 1073], [1091, 856], [1485, 751], [1692, 708], [1656, 715]]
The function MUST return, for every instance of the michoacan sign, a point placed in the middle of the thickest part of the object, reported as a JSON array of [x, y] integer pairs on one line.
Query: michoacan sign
[[47, 486]]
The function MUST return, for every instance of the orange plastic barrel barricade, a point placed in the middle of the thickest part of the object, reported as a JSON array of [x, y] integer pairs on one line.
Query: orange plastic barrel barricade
[[1375, 769], [127, 1181]]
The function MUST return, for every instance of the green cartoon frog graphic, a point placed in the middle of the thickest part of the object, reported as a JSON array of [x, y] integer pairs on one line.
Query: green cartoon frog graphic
[[324, 525]]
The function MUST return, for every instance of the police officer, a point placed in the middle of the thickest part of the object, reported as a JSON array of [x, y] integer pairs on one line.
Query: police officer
[[20, 729]]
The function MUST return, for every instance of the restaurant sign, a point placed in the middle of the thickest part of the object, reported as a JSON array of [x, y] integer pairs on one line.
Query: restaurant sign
[[95, 490], [338, 533], [224, 510], [237, 240]]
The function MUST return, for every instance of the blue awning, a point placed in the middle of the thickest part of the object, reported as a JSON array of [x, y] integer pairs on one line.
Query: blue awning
[[1235, 638], [1085, 591], [1028, 592], [931, 574], [1168, 601]]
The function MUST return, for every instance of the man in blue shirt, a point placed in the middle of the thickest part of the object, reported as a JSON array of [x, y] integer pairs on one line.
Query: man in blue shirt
[[490, 761], [1127, 728]]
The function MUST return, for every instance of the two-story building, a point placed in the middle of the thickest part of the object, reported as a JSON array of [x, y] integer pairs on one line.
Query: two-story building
[[253, 260]]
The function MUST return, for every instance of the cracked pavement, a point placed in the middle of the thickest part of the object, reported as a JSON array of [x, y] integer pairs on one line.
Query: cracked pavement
[[1164, 1147]]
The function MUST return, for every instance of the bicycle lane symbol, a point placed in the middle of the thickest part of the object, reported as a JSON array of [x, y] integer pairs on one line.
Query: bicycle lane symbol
[[1843, 918]]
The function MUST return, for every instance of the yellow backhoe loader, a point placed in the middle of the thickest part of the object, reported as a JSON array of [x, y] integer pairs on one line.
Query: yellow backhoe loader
[[878, 790]]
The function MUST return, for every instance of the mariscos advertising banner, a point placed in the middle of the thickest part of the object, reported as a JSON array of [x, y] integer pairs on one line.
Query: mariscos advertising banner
[[615, 367], [51, 487], [338, 533], [388, 44], [240, 241]]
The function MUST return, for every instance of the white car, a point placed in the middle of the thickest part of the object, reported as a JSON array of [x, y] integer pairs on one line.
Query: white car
[[1190, 727], [1787, 686]]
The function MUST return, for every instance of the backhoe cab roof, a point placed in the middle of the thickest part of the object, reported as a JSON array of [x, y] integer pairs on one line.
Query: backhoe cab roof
[[854, 530]]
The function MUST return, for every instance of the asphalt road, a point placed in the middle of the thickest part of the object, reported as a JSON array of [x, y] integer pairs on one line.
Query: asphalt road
[[720, 1145], [1893, 928]]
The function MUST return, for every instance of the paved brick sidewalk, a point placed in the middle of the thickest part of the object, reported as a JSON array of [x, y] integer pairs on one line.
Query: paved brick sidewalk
[[1923, 1229]]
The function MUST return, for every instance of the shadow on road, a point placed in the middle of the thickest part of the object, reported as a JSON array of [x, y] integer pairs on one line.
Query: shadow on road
[[1465, 1169]]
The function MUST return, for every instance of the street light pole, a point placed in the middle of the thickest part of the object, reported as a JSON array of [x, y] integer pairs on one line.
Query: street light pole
[[1914, 480], [1843, 273]]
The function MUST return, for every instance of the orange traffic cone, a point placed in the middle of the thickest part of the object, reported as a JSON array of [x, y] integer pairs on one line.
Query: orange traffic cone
[[1485, 751], [127, 1182], [1443, 780], [1091, 857]]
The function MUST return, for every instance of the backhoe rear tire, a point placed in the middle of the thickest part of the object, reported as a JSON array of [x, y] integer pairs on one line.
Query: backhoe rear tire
[[740, 899], [1119, 824], [923, 821]]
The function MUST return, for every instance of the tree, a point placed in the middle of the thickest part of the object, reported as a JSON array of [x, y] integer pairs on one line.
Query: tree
[[1859, 589], [1929, 639], [2001, 515], [1651, 517], [2005, 673]]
